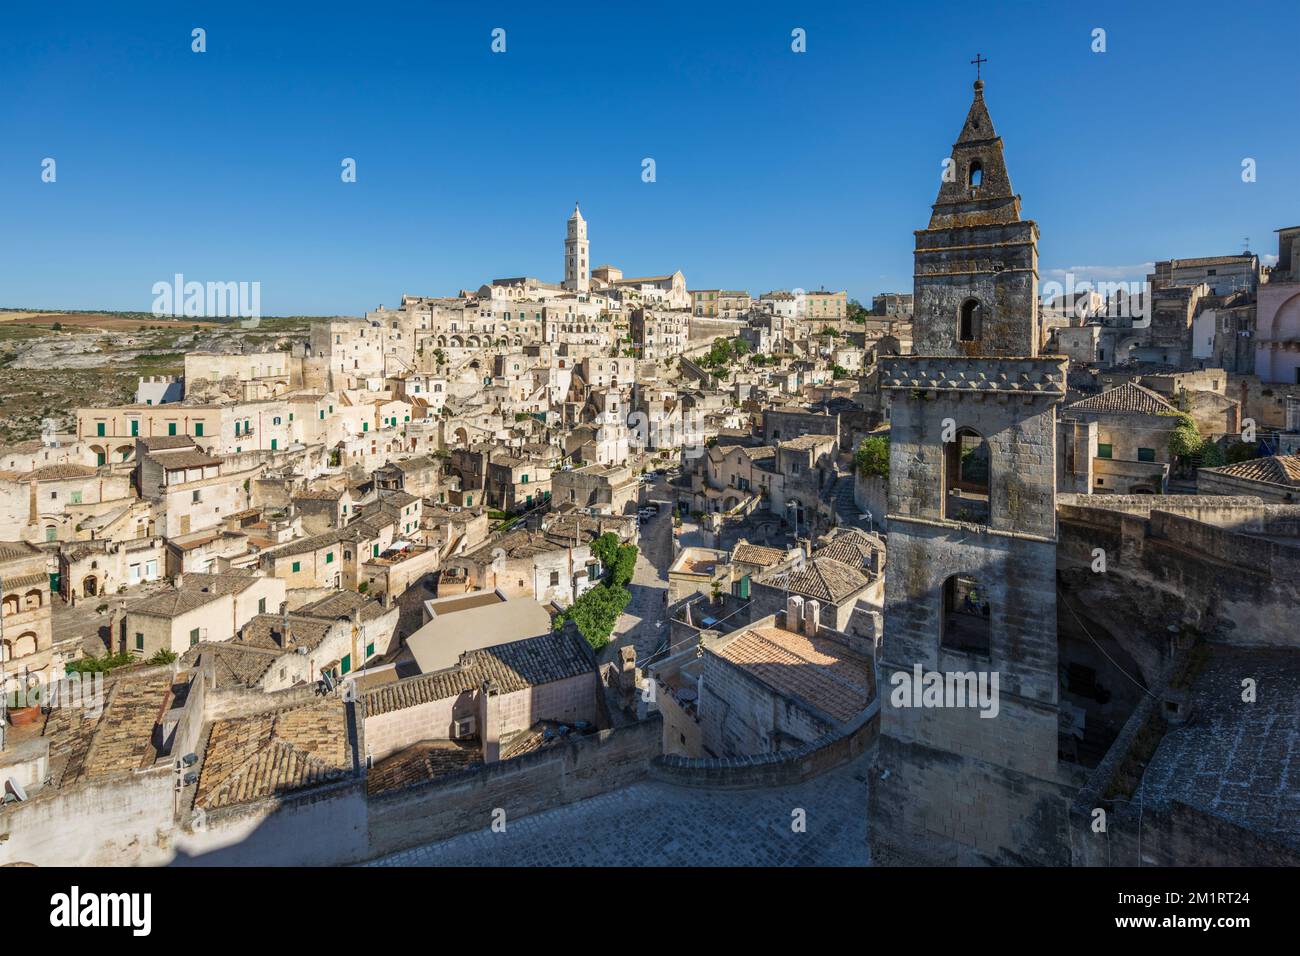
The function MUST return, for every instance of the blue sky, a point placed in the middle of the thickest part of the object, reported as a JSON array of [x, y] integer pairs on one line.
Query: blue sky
[[774, 169]]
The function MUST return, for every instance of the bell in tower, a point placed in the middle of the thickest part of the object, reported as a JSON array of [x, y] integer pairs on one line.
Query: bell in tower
[[976, 289]]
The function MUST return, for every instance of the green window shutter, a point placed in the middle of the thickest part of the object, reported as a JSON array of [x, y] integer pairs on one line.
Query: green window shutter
[[198, 429], [374, 550], [100, 458], [1146, 454], [347, 663], [322, 414], [744, 588], [139, 641], [329, 557], [1103, 450], [274, 442], [297, 566], [99, 429], [135, 426], [370, 650], [261, 605], [194, 637], [171, 428]]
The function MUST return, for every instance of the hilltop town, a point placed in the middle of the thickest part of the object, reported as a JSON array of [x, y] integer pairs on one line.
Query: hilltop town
[[346, 589]]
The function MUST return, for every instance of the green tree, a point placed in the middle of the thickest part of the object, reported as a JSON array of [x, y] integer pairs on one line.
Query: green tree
[[872, 456], [1185, 439], [618, 559]]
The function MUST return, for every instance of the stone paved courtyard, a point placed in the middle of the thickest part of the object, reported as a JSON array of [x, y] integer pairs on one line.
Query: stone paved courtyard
[[658, 824]]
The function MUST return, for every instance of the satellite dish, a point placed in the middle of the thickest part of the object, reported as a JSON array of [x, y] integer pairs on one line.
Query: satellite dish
[[16, 788]]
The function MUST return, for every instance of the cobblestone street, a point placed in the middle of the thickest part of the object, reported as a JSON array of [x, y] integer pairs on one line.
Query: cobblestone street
[[658, 824], [637, 624]]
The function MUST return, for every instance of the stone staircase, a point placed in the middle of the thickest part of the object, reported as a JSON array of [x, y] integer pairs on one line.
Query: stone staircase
[[840, 495]]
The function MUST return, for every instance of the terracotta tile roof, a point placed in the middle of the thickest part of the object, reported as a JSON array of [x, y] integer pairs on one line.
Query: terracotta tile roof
[[851, 546], [20, 581], [815, 670], [806, 442], [821, 578], [513, 667], [172, 460], [1127, 399], [15, 550], [116, 741], [267, 755], [1276, 469], [757, 554], [52, 472], [419, 763], [174, 603], [163, 442], [341, 604], [233, 664]]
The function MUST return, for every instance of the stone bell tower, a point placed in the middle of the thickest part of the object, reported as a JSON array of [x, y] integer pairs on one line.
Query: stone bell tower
[[970, 774], [577, 259]]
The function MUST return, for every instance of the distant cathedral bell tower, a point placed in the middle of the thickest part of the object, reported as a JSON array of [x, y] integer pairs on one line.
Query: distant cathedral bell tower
[[577, 261]]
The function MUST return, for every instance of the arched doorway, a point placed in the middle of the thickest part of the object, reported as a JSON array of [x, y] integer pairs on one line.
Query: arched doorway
[[89, 585]]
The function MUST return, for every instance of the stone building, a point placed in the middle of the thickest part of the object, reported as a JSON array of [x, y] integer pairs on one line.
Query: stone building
[[972, 536], [27, 639], [780, 683], [1132, 445]]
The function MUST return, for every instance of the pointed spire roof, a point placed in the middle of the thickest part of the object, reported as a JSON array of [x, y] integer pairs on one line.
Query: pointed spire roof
[[976, 188], [577, 213]]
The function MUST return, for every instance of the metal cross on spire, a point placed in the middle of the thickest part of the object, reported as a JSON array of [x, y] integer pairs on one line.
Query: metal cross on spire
[[978, 61]]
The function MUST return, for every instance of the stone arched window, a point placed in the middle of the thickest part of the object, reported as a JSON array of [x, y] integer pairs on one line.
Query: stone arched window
[[966, 477], [975, 175], [969, 321], [32, 598], [967, 612]]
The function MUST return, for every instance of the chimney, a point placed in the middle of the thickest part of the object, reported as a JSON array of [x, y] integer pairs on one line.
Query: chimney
[[490, 722], [811, 610], [794, 613]]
